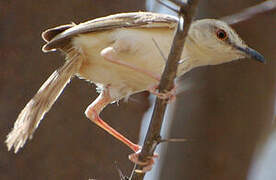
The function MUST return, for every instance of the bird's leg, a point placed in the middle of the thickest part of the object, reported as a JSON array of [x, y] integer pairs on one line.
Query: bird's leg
[[92, 112], [110, 55]]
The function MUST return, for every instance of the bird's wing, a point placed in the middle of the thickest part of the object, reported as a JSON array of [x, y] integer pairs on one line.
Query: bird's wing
[[59, 36]]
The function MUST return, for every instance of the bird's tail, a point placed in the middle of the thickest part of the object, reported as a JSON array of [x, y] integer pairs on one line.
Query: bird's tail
[[29, 118]]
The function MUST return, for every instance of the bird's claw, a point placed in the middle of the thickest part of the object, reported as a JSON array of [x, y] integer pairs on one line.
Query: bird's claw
[[147, 165], [170, 95]]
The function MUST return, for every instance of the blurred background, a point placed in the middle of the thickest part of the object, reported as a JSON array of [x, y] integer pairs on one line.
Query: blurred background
[[227, 112]]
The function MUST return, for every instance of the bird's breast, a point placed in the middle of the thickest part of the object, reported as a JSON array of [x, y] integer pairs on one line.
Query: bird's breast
[[134, 46]]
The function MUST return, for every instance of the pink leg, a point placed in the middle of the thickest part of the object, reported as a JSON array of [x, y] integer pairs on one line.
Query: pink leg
[[110, 55], [93, 111]]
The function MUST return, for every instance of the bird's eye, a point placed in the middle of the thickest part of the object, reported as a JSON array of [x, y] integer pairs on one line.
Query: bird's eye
[[221, 34]]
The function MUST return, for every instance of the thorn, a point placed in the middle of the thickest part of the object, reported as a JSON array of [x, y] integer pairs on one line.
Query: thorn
[[173, 140], [139, 171], [181, 61]]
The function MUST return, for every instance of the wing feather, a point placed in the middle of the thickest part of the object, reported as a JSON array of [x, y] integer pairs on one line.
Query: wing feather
[[122, 20]]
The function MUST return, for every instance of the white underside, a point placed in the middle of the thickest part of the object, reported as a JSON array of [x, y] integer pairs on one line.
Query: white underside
[[135, 46]]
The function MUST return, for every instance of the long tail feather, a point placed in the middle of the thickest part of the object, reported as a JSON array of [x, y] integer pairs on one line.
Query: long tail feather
[[30, 117]]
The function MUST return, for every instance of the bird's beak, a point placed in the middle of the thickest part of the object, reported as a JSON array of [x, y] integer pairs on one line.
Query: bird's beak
[[251, 53]]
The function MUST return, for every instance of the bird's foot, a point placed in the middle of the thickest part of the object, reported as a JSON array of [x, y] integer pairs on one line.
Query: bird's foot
[[147, 165], [170, 95]]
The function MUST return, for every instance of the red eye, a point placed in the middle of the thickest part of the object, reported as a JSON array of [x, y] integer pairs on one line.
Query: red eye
[[221, 34]]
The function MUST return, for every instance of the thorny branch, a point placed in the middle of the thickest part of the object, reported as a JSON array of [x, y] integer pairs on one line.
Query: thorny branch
[[186, 13]]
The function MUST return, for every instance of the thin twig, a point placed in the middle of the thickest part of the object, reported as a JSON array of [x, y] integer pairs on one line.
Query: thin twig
[[186, 14], [168, 6], [173, 140], [250, 12], [122, 176], [159, 49]]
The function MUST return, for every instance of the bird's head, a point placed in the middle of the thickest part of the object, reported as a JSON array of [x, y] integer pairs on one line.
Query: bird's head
[[215, 42]]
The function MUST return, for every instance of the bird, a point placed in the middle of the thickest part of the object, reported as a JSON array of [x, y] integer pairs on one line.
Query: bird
[[124, 54]]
